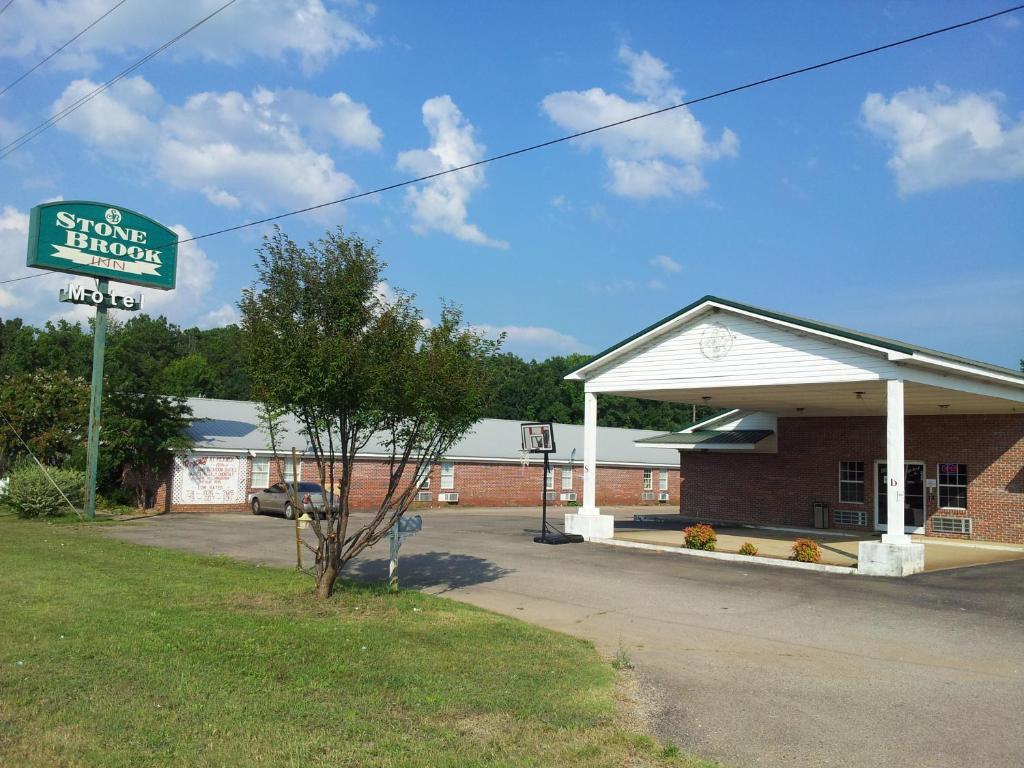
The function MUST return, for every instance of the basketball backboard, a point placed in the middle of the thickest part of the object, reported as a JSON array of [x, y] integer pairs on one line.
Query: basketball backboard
[[538, 437]]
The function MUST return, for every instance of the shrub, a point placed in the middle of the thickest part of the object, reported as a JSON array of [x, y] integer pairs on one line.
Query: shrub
[[31, 494], [700, 537], [748, 549], [806, 551]]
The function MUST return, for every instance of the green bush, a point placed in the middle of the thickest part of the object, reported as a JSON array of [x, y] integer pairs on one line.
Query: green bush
[[31, 494], [700, 537], [806, 551], [748, 549]]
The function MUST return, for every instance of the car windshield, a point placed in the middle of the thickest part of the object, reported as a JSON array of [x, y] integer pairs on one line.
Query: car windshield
[[310, 488]]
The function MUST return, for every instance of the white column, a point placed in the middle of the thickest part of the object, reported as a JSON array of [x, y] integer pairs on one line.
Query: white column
[[589, 522], [894, 459], [589, 455]]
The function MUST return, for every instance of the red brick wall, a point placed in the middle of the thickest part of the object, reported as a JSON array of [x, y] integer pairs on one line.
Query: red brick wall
[[479, 484], [781, 488]]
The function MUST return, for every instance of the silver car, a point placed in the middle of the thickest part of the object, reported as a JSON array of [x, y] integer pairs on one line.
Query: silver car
[[278, 499]]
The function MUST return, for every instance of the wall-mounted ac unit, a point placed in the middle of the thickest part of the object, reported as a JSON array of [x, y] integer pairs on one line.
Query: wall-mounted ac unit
[[663, 497], [550, 495], [423, 496], [951, 525], [647, 496], [568, 496], [451, 498]]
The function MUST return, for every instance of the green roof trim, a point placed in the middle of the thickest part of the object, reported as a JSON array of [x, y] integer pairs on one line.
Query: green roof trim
[[709, 437], [814, 325]]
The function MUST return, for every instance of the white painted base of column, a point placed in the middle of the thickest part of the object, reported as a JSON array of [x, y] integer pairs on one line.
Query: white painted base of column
[[881, 558], [590, 524]]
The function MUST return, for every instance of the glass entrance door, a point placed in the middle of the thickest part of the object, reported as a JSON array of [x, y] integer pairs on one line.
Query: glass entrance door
[[913, 498]]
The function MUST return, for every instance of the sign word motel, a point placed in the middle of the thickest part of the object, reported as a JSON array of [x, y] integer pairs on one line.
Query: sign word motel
[[104, 241], [112, 299]]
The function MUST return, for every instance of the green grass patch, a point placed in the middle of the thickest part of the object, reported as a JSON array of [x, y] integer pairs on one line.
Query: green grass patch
[[113, 654]]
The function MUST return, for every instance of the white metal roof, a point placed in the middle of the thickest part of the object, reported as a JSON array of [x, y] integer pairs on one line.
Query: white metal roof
[[232, 426]]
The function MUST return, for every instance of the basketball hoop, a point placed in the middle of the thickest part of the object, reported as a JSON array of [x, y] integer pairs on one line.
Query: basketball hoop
[[538, 437]]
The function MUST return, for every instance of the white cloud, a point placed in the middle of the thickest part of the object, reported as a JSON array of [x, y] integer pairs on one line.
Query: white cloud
[[238, 151], [218, 318], [535, 341], [442, 203], [658, 156], [306, 30], [941, 138], [35, 300], [666, 263]]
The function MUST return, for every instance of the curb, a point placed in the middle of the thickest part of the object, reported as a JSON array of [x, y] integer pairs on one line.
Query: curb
[[728, 556]]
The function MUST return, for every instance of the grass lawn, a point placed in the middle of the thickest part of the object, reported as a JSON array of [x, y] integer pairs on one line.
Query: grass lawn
[[113, 654]]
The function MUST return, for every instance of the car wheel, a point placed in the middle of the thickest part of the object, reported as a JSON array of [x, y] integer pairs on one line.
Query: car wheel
[[255, 506], [289, 513]]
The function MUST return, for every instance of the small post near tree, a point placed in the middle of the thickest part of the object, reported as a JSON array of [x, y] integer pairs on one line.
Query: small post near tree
[[539, 437], [355, 364]]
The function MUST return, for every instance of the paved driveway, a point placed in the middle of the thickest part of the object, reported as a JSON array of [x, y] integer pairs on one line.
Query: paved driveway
[[750, 665]]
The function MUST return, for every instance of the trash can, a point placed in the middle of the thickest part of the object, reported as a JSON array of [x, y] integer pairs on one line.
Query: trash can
[[821, 514]]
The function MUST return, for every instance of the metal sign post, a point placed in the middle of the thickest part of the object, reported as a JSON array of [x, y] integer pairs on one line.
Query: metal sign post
[[405, 527], [104, 242]]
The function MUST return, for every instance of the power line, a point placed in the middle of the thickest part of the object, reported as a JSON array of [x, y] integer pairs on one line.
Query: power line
[[54, 53], [8, 5], [31, 134], [579, 134]]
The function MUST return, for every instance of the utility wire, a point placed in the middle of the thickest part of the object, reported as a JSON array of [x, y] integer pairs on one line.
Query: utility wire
[[8, 5], [31, 134], [570, 137], [54, 53]]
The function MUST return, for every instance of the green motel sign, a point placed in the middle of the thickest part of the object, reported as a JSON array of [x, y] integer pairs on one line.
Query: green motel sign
[[102, 241]]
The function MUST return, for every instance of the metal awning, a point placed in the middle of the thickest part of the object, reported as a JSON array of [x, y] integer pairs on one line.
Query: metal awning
[[704, 439]]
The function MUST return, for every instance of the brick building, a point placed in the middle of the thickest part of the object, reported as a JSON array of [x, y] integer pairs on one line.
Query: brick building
[[818, 414], [232, 459]]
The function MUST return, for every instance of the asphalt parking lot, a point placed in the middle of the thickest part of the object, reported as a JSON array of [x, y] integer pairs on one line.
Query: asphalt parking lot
[[751, 666]]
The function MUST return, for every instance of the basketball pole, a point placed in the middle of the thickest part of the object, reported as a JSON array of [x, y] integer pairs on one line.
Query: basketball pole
[[544, 502]]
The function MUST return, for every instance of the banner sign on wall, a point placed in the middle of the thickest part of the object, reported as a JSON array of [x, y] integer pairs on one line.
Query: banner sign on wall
[[104, 241]]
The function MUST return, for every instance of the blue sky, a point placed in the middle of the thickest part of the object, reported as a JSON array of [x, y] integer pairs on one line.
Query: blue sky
[[884, 194]]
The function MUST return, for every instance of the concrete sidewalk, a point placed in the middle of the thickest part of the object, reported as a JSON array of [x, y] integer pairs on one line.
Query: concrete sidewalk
[[754, 667]]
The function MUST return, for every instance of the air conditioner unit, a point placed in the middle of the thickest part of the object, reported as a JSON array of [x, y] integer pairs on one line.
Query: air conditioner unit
[[423, 496], [647, 496], [451, 498], [663, 496], [550, 495], [568, 496]]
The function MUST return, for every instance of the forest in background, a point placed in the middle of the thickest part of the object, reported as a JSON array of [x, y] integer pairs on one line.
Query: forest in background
[[190, 362]]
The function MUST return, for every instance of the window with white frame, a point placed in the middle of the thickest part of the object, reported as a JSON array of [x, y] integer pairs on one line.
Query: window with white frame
[[648, 479], [851, 482], [663, 480], [953, 486], [447, 476], [260, 472], [423, 478], [567, 479], [549, 479], [288, 470]]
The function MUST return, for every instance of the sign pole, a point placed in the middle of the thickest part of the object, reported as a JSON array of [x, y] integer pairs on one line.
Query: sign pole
[[99, 343]]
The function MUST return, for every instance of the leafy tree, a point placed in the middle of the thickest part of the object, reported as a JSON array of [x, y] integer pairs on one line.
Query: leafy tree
[[189, 376], [326, 348], [49, 410]]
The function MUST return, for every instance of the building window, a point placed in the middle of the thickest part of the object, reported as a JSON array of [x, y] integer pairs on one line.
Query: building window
[[423, 477], [549, 479], [953, 486], [447, 476], [648, 479], [663, 480], [567, 479], [289, 471], [851, 482], [260, 472]]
